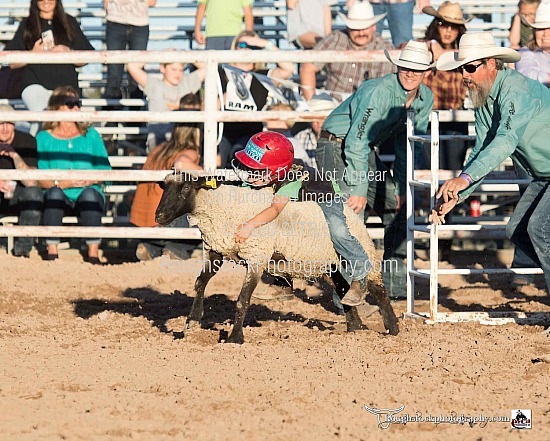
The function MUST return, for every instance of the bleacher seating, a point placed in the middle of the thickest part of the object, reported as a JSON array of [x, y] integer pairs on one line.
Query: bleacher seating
[[273, 13]]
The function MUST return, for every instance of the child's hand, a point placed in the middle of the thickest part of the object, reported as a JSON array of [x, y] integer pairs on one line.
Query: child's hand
[[243, 232]]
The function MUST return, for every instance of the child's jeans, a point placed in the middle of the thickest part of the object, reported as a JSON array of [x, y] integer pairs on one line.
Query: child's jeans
[[354, 261]]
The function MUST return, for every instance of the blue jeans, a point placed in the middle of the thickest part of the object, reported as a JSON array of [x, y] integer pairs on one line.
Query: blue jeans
[[355, 263], [89, 208], [119, 37], [529, 226], [400, 20], [27, 203], [521, 259], [381, 198]]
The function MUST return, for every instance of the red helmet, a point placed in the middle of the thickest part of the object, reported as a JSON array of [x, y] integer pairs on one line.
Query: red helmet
[[268, 151]]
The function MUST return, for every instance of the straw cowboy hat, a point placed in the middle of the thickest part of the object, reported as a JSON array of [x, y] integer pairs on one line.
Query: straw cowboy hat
[[476, 46], [448, 11], [415, 55], [360, 16], [542, 17]]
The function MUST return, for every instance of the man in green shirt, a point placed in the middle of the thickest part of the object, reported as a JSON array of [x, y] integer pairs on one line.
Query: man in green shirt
[[373, 115], [512, 117]]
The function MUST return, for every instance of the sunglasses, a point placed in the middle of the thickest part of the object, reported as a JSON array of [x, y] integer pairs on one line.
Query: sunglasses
[[446, 24], [470, 68], [244, 45], [71, 104], [416, 73]]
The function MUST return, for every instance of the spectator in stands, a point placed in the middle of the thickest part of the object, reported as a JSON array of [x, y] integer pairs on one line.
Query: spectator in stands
[[520, 31], [18, 151], [47, 28], [534, 64], [308, 21], [245, 88], [70, 145], [511, 121], [164, 94], [535, 58], [182, 152], [443, 35], [127, 27], [350, 135], [224, 20], [308, 137], [360, 34], [399, 14], [283, 127]]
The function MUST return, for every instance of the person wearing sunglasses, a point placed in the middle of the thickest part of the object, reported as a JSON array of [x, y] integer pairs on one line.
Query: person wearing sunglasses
[[47, 29], [71, 145], [442, 35], [512, 120]]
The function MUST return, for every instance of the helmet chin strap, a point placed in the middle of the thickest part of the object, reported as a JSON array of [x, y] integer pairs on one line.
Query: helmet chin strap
[[248, 176]]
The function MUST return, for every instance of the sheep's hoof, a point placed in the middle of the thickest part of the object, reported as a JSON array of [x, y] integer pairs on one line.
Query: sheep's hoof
[[386, 310], [235, 337], [353, 321], [353, 326], [390, 320]]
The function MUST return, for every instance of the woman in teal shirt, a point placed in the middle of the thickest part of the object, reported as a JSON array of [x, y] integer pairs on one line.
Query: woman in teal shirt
[[69, 145]]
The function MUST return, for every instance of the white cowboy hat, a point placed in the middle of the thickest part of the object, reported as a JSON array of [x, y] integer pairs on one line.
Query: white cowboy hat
[[322, 101], [360, 16], [5, 108], [448, 11], [415, 55], [542, 17], [476, 46]]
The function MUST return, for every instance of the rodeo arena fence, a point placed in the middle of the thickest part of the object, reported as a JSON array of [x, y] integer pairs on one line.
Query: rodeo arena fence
[[211, 117]]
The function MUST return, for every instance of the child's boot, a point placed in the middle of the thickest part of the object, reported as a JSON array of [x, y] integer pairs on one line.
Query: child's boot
[[356, 294]]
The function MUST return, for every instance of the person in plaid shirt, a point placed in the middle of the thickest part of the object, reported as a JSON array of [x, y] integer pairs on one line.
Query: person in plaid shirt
[[443, 35], [360, 35]]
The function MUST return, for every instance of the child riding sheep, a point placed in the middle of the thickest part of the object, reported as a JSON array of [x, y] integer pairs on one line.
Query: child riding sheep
[[268, 160]]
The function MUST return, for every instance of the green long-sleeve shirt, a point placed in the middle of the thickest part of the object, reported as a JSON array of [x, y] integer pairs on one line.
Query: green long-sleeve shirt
[[515, 122], [374, 109]]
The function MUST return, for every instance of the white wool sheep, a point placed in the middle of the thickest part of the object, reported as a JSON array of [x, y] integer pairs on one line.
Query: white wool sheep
[[299, 235]]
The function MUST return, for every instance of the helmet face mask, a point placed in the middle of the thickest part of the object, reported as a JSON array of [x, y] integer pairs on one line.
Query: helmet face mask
[[266, 158]]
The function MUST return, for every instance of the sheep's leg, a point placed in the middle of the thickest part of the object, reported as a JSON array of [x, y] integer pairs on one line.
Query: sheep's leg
[[250, 281], [209, 270], [386, 310], [353, 320]]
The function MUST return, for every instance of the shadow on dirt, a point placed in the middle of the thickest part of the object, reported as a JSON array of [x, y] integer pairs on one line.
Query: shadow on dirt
[[159, 308]]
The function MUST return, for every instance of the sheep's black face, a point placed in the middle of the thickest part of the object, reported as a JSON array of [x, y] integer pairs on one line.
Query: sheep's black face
[[177, 199]]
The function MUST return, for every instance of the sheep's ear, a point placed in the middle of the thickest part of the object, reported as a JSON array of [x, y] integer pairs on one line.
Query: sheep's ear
[[207, 182]]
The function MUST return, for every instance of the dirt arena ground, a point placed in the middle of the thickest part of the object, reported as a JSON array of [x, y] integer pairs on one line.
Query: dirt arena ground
[[101, 353]]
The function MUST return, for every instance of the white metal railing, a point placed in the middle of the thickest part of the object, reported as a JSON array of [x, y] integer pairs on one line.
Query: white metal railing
[[210, 116], [211, 59], [434, 230]]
